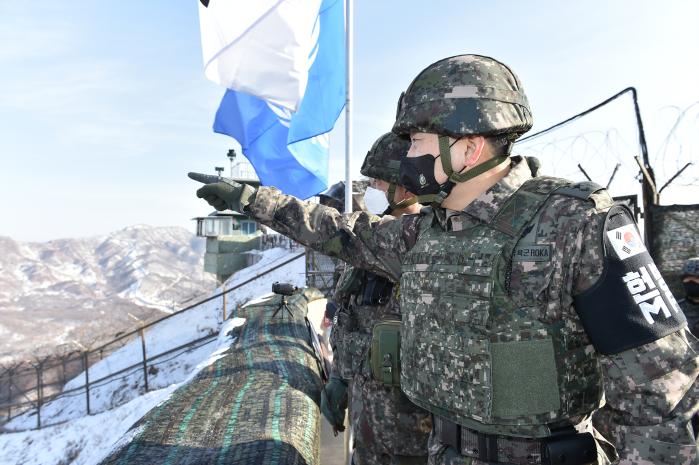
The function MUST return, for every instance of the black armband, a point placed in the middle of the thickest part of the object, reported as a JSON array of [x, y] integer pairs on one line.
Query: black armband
[[630, 305]]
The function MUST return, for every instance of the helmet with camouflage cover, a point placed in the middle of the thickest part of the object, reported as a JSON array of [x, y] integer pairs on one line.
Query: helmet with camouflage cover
[[690, 268], [382, 161], [464, 95]]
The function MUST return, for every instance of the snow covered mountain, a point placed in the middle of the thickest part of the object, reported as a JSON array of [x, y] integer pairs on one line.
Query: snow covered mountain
[[84, 289]]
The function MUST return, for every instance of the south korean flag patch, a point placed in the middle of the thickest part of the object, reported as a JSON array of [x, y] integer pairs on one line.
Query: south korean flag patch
[[630, 305], [626, 241]]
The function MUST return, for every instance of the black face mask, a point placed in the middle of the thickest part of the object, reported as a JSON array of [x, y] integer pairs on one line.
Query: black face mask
[[417, 175], [691, 289]]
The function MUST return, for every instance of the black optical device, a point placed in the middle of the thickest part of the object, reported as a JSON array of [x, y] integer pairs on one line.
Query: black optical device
[[284, 288]]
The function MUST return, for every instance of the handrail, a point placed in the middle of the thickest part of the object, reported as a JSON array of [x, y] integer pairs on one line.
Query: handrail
[[110, 377], [208, 299], [140, 363]]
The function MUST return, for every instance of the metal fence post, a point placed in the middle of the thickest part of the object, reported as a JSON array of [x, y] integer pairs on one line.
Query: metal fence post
[[87, 380], [38, 396], [63, 369], [224, 301], [145, 363], [9, 393]]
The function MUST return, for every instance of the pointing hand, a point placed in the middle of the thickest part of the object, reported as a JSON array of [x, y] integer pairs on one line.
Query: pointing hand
[[222, 193]]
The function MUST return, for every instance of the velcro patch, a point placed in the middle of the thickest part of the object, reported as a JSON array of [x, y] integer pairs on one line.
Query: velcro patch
[[532, 253], [630, 305]]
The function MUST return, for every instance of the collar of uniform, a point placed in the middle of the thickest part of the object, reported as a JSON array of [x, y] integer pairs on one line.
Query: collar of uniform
[[486, 205]]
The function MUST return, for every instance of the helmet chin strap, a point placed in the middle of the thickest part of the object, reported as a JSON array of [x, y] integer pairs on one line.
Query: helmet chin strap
[[405, 202], [452, 177]]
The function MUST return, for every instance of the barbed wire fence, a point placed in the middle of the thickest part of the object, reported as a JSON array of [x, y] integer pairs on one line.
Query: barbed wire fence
[[680, 146], [601, 143], [607, 144]]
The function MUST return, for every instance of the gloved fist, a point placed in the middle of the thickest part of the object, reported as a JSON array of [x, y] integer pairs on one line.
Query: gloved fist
[[222, 193], [333, 402]]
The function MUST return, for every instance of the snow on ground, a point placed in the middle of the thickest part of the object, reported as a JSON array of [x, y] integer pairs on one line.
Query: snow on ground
[[79, 442], [294, 273], [87, 440], [201, 321]]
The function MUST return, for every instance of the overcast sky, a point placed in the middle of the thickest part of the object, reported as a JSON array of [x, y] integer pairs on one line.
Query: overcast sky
[[104, 105]]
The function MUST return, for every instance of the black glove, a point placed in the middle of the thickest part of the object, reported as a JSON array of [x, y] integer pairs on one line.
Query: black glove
[[333, 402], [223, 193]]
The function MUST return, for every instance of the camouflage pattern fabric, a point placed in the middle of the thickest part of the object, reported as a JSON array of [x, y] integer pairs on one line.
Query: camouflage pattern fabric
[[605, 418], [386, 425], [383, 159], [465, 94], [651, 389], [256, 404], [441, 454], [388, 428], [492, 317], [691, 311]]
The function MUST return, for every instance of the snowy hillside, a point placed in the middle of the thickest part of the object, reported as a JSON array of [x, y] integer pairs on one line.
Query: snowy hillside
[[75, 288], [84, 440]]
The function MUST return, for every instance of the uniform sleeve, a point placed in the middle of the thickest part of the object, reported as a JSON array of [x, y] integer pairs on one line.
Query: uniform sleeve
[[340, 327], [651, 390], [360, 238], [336, 335]]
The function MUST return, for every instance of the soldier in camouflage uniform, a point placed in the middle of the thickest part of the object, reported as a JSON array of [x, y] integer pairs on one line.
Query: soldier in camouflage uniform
[[387, 428], [527, 300]]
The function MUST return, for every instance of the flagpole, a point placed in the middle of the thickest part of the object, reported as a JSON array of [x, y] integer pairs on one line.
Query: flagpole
[[348, 115]]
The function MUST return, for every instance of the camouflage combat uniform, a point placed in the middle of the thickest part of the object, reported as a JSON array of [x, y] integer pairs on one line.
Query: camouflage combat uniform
[[651, 389], [527, 310], [388, 428], [691, 310]]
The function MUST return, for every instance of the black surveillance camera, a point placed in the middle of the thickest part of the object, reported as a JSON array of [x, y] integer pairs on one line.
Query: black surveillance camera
[[284, 288]]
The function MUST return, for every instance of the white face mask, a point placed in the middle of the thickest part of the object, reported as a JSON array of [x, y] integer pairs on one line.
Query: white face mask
[[375, 200]]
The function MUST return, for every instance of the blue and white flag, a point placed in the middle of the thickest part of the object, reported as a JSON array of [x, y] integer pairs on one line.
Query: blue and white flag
[[260, 47], [287, 144]]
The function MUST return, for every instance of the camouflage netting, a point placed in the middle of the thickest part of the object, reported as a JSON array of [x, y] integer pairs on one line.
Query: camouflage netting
[[675, 239], [257, 404]]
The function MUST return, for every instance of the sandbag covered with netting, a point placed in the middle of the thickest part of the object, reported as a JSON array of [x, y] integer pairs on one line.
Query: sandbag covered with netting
[[256, 404]]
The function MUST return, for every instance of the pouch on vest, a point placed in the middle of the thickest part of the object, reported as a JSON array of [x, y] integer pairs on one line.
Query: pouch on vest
[[385, 352], [377, 290], [350, 283]]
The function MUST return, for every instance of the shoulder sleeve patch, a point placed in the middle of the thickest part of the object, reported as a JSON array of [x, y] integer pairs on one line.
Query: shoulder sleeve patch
[[630, 305]]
